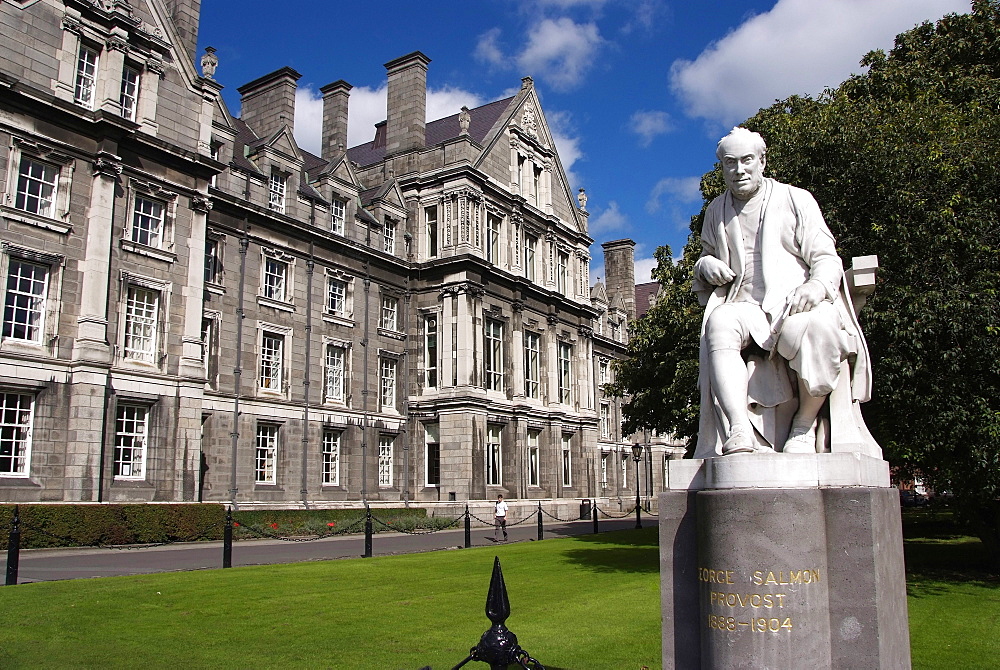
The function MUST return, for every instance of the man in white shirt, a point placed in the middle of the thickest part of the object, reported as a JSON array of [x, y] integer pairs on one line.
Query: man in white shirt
[[500, 519]]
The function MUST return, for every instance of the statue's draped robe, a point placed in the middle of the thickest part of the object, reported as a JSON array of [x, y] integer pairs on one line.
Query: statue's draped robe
[[795, 246]]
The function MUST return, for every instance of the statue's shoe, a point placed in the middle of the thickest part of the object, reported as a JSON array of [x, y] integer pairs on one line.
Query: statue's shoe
[[739, 442], [800, 443]]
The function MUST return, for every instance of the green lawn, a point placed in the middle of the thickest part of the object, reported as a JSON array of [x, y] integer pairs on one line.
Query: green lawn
[[584, 603]]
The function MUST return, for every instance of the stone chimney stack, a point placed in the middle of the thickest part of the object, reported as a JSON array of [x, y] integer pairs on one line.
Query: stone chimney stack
[[185, 15], [619, 272], [335, 97], [406, 107], [268, 103]]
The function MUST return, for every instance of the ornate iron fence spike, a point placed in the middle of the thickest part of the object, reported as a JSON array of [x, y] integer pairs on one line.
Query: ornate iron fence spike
[[497, 603]]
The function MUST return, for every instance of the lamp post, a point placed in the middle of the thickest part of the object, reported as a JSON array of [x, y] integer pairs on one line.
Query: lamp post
[[637, 456]]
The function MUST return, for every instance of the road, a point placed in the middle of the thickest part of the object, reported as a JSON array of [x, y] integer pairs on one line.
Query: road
[[40, 565]]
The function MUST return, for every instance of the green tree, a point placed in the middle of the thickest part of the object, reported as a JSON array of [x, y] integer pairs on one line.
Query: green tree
[[903, 160]]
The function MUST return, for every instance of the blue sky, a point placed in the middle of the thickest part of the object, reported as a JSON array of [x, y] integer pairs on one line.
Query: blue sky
[[637, 91]]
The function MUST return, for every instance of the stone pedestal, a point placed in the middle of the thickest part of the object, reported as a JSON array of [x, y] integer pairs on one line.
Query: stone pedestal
[[782, 561]]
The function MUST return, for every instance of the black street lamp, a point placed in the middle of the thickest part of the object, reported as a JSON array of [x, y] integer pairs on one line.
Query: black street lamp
[[637, 456]]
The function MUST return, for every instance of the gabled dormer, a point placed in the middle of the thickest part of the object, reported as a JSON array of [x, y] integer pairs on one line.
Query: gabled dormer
[[385, 204]]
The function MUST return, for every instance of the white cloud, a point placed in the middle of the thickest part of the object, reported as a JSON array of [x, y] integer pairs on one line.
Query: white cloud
[[308, 118], [366, 107], [644, 270], [798, 47], [560, 51], [611, 219], [647, 125], [567, 4], [487, 49], [567, 143], [677, 190]]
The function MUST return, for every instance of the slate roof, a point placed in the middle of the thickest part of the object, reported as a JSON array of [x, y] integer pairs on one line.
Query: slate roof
[[645, 295], [481, 121]]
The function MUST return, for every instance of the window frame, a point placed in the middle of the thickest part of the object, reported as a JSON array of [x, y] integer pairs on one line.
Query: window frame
[[118, 457], [432, 350], [84, 82], [141, 324], [492, 241], [388, 384], [389, 236], [338, 216], [494, 455], [493, 363], [267, 289], [530, 257], [40, 300], [567, 460], [386, 449], [277, 191], [54, 217], [534, 460], [330, 383], [266, 446], [565, 372], [128, 102], [532, 364], [605, 421], [330, 449], [562, 272], [431, 230], [432, 443], [16, 436], [389, 313]]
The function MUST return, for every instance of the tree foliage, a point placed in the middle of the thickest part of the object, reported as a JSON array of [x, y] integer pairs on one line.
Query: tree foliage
[[903, 160]]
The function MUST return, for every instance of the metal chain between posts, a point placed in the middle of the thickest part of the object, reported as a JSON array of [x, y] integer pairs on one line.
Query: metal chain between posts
[[553, 516], [268, 536], [615, 516], [389, 526], [509, 523]]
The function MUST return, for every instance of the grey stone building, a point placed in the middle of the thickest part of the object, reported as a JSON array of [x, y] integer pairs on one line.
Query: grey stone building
[[198, 309]]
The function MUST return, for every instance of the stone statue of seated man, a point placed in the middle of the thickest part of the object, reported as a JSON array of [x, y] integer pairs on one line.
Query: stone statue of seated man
[[780, 335]]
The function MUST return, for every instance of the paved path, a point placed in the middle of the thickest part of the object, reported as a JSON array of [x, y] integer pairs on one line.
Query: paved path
[[37, 565]]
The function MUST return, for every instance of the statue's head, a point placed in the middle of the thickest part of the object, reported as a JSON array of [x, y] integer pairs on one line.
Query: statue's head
[[743, 155]]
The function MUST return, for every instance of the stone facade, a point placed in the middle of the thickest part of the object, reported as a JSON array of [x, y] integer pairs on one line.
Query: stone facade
[[198, 309]]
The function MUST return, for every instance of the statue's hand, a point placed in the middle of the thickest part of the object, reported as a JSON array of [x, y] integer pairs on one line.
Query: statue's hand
[[714, 271], [805, 297]]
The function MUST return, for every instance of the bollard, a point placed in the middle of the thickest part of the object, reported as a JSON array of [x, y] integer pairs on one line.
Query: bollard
[[13, 548], [368, 532], [539, 520], [468, 527], [498, 645], [593, 512], [227, 540], [638, 514]]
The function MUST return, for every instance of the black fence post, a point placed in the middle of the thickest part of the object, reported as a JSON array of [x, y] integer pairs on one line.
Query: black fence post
[[593, 512], [227, 540], [368, 531], [13, 548], [468, 527], [539, 520]]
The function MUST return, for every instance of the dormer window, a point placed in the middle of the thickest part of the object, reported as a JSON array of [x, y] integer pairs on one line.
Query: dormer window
[[389, 239], [338, 213], [276, 187]]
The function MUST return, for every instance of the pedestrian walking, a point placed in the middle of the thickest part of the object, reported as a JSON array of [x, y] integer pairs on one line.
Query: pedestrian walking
[[500, 519]]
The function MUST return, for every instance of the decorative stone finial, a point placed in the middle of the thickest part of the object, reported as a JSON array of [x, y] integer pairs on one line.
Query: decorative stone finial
[[464, 119], [209, 61], [582, 199]]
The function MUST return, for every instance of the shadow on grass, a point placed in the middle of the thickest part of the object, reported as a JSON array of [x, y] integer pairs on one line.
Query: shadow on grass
[[637, 551]]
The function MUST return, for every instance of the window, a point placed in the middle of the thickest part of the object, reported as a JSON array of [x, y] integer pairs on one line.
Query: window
[[147, 222], [536, 185], [531, 375], [562, 267], [567, 460], [272, 356], [533, 457], [604, 470], [276, 192], [387, 384], [129, 97], [336, 296], [131, 424], [565, 373], [24, 302], [430, 220], [215, 149], [37, 183], [385, 460], [616, 331], [530, 251], [331, 458], [430, 351], [266, 455], [338, 214], [493, 239], [334, 372], [493, 355], [624, 483], [603, 369], [605, 421], [213, 263], [389, 317], [208, 326], [141, 323], [493, 456], [275, 279], [432, 454], [86, 77], [16, 413], [389, 239]]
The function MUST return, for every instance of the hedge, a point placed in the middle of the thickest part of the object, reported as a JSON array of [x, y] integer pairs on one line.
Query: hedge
[[44, 526]]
